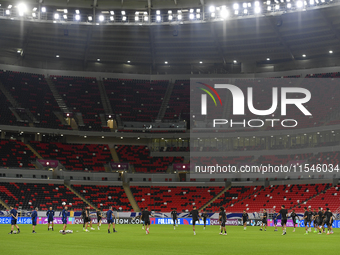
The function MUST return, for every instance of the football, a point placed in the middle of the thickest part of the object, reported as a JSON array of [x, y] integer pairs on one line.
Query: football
[[63, 203]]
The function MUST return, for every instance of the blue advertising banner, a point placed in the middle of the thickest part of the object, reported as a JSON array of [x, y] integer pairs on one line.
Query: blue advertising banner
[[21, 220], [181, 221]]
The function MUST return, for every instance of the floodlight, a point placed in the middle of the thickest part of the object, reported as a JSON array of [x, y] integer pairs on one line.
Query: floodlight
[[212, 8], [22, 8], [299, 4]]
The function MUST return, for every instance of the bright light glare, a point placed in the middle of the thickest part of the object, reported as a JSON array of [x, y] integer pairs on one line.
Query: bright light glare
[[257, 10], [235, 6], [77, 17], [56, 16], [101, 18], [22, 8], [212, 8], [299, 4], [224, 13]]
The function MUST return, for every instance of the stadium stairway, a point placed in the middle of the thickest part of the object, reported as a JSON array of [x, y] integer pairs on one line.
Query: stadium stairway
[[228, 186], [56, 95], [15, 104], [114, 155], [80, 196], [165, 102], [4, 204], [105, 100], [130, 196], [34, 151]]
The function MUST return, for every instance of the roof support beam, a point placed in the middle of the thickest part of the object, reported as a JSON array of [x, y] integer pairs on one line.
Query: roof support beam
[[218, 45], [25, 41], [87, 46], [272, 24], [330, 24], [94, 10], [152, 46]]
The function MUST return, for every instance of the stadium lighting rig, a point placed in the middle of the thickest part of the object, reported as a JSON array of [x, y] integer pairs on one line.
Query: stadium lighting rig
[[206, 13]]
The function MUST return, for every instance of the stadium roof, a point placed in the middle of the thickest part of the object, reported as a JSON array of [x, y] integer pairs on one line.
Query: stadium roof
[[288, 41]]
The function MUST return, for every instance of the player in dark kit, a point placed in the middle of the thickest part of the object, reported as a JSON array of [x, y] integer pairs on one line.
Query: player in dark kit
[[284, 215], [34, 217], [307, 219], [320, 220], [174, 217], [204, 215], [329, 221], [315, 222], [275, 219], [264, 220], [99, 218], [141, 217], [83, 215], [14, 218], [146, 216], [295, 217], [109, 217], [64, 219], [50, 218], [195, 216], [244, 219], [223, 219]]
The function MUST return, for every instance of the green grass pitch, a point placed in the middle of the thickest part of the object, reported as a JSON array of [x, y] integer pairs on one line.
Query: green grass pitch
[[163, 239]]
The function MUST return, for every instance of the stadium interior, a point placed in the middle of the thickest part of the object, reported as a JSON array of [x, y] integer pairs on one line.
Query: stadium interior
[[96, 111]]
